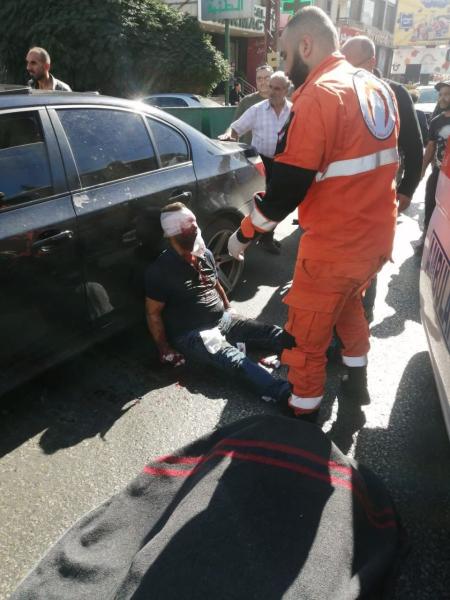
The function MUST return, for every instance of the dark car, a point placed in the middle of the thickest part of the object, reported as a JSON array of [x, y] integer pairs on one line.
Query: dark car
[[82, 179]]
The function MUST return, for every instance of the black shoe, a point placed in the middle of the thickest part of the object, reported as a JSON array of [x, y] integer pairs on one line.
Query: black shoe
[[354, 385]]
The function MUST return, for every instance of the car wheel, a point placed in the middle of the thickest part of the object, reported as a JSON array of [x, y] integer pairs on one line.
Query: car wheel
[[229, 269]]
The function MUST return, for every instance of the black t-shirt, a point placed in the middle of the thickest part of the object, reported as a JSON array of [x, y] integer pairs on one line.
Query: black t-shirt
[[190, 297], [439, 133]]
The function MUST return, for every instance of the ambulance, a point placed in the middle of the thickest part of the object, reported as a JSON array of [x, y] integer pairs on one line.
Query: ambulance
[[435, 288]]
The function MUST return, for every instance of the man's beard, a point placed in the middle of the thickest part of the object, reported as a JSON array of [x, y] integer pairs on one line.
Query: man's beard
[[187, 240], [298, 72]]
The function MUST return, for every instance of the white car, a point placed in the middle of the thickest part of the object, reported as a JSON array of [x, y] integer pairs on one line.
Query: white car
[[178, 100], [428, 97], [435, 288]]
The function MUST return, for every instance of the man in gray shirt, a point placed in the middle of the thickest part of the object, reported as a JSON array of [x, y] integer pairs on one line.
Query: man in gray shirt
[[38, 67]]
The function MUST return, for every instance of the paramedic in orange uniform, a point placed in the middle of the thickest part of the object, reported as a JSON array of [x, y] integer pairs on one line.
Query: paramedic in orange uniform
[[337, 162]]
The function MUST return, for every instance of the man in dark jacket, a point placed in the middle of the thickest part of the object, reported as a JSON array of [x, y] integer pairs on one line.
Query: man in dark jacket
[[236, 94], [360, 52]]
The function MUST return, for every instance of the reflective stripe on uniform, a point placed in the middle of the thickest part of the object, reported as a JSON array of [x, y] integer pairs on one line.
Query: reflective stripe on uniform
[[355, 361], [261, 222], [304, 403], [362, 164]]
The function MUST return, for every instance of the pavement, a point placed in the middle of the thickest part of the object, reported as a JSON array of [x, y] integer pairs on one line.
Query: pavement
[[80, 432]]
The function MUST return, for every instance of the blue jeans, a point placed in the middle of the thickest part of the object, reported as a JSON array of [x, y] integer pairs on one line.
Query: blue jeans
[[234, 362]]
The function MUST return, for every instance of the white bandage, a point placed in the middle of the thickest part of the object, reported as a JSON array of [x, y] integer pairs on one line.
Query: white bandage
[[178, 222]]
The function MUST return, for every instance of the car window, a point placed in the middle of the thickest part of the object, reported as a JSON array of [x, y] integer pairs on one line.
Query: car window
[[168, 101], [24, 166], [107, 144], [171, 145]]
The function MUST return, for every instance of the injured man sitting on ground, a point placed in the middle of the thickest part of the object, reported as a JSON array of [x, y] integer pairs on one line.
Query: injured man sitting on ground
[[189, 315]]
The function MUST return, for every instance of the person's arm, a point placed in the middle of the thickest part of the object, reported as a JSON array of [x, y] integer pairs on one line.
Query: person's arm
[[245, 123], [411, 145], [428, 156], [153, 313], [223, 296], [287, 188]]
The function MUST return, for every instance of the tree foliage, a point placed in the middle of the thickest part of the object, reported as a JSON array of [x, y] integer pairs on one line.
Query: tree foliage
[[119, 47]]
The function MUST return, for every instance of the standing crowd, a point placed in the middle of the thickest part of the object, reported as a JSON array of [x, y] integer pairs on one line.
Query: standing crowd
[[346, 153]]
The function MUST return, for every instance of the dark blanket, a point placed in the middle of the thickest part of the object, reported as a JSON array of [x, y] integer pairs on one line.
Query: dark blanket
[[265, 508]]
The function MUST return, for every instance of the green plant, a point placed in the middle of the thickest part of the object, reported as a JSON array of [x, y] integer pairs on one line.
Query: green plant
[[119, 47]]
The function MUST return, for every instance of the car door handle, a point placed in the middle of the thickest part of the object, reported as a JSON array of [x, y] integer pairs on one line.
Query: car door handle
[[181, 197], [129, 237], [52, 239]]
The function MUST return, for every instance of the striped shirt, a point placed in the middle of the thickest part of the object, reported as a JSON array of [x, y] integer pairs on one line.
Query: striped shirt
[[264, 123]]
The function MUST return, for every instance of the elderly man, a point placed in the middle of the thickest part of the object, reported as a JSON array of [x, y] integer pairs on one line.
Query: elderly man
[[189, 316], [266, 119], [38, 67], [337, 160], [360, 52]]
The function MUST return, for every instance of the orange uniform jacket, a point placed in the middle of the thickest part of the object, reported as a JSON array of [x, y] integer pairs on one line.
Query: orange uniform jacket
[[343, 131]]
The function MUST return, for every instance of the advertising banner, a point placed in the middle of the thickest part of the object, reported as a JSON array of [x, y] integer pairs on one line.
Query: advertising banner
[[421, 22], [432, 61]]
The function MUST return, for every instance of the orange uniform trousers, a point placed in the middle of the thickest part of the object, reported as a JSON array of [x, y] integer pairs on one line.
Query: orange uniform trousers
[[325, 295]]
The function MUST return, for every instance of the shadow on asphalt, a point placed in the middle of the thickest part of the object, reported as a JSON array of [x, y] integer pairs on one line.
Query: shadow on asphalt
[[403, 297], [411, 457], [277, 271], [110, 377]]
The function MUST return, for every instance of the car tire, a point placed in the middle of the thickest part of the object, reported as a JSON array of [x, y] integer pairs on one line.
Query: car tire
[[216, 238]]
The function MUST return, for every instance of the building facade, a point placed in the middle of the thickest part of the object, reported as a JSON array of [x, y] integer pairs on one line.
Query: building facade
[[248, 44], [374, 18], [422, 40]]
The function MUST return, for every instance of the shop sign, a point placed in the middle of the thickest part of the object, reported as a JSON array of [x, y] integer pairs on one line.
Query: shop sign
[[254, 22], [346, 32], [213, 10]]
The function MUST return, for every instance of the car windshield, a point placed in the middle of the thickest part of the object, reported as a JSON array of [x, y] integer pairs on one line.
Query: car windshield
[[428, 95]]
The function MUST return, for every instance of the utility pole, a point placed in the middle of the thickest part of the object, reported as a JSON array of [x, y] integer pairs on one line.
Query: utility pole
[[227, 57], [271, 37]]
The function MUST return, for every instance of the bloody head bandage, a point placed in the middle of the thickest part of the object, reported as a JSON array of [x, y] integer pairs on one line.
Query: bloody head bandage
[[180, 222]]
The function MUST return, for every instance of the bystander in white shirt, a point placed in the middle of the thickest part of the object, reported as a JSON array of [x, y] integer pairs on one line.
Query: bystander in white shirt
[[265, 125]]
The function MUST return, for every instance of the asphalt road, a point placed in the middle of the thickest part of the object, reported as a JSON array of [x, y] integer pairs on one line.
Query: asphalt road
[[79, 433]]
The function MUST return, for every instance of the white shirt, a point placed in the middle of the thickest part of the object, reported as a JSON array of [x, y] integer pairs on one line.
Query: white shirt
[[264, 123]]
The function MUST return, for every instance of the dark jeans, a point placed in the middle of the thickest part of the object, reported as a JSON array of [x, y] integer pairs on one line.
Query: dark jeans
[[430, 196], [234, 362]]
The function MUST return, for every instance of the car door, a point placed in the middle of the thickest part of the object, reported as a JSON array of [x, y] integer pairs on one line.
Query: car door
[[119, 185], [42, 299]]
